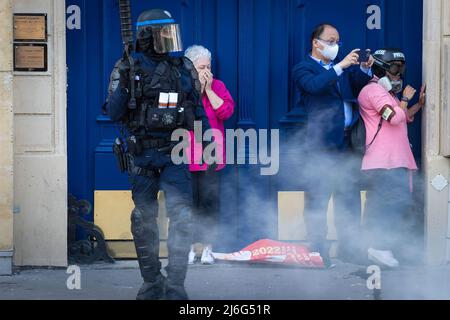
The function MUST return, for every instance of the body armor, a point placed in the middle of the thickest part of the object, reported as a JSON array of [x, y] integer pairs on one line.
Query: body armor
[[150, 116]]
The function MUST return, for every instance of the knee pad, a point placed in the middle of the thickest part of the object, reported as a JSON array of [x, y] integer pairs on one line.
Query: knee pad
[[144, 222], [137, 222]]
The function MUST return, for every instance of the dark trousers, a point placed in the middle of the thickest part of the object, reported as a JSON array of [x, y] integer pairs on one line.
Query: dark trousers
[[337, 173], [175, 180], [206, 190], [386, 226]]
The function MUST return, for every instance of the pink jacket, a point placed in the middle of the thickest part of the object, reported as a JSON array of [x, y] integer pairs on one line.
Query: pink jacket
[[216, 119], [391, 148]]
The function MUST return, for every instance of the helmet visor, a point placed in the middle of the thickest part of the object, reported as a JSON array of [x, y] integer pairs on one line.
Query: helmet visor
[[167, 39]]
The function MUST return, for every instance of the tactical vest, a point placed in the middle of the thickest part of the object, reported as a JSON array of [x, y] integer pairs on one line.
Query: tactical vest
[[154, 113]]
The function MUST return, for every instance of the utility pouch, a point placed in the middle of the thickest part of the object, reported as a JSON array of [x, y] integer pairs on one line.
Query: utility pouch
[[165, 119], [134, 146], [120, 155]]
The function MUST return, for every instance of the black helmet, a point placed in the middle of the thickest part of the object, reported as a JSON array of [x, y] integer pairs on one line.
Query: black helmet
[[157, 32], [383, 62]]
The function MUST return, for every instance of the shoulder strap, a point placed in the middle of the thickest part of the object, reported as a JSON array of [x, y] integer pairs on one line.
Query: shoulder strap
[[160, 70]]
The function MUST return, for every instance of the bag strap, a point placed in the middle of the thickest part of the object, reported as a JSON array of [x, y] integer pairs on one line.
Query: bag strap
[[376, 134], [380, 124]]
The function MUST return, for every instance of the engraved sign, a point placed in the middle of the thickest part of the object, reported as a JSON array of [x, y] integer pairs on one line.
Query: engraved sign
[[30, 27], [30, 57]]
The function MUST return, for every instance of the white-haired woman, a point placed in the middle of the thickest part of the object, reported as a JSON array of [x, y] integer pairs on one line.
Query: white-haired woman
[[219, 106]]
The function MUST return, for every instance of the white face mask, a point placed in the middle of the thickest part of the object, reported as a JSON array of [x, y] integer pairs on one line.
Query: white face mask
[[394, 86], [329, 52]]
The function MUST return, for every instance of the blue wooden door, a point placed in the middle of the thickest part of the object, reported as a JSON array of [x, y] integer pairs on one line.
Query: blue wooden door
[[255, 44]]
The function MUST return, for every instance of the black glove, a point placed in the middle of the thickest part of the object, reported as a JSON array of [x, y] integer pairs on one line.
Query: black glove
[[124, 71], [211, 169]]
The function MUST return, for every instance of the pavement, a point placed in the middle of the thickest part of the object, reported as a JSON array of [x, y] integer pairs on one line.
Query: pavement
[[233, 281]]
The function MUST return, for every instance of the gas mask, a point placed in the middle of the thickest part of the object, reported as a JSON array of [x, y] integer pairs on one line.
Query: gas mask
[[395, 86], [329, 52], [145, 45], [145, 41], [390, 69]]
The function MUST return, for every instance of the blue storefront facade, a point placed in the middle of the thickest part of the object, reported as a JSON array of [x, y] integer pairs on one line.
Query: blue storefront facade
[[255, 44]]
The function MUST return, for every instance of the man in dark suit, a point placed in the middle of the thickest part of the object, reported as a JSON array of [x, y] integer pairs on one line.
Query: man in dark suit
[[328, 93]]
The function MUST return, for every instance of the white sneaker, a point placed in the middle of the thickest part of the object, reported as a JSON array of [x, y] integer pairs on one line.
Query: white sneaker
[[384, 257], [207, 257], [191, 256]]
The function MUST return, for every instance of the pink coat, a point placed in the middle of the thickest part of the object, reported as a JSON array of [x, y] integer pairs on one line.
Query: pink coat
[[216, 119]]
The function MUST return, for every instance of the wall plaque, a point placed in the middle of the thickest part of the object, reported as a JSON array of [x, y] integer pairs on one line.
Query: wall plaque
[[30, 27], [30, 57]]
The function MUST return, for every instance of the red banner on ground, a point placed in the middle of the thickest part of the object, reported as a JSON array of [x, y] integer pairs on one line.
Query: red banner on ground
[[271, 251]]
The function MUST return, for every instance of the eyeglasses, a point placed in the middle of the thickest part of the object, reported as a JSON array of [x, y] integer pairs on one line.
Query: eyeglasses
[[331, 43]]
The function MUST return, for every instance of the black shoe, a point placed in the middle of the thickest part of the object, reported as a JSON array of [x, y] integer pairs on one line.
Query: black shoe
[[353, 256], [176, 292], [327, 262], [323, 250], [152, 290]]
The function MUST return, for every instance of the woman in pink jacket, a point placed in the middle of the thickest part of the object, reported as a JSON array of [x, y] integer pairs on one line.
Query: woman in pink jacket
[[388, 161], [219, 106]]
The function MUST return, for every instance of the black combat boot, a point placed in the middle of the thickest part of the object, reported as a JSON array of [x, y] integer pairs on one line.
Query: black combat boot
[[152, 290], [146, 240], [176, 292], [175, 283]]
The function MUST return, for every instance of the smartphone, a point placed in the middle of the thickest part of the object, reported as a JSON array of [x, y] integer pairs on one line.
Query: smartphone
[[364, 56]]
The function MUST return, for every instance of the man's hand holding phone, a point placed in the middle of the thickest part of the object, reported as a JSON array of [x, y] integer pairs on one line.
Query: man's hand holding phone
[[365, 58]]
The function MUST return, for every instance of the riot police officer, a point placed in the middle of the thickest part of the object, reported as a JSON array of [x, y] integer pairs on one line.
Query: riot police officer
[[167, 94]]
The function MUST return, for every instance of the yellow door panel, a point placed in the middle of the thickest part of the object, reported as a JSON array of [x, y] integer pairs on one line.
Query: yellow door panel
[[112, 211]]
